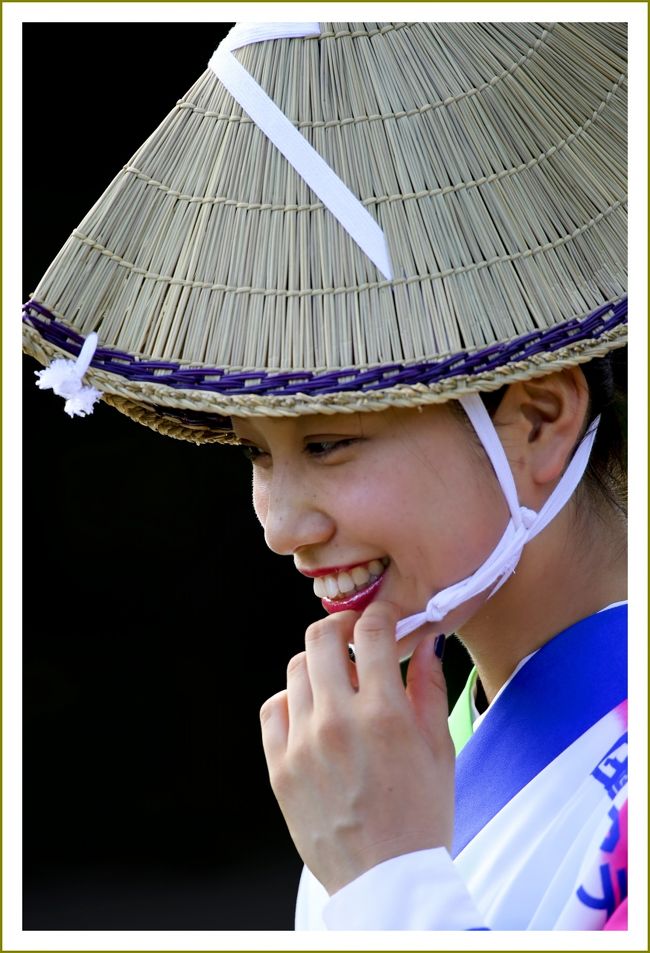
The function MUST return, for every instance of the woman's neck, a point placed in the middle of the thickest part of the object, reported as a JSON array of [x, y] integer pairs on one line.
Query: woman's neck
[[567, 573]]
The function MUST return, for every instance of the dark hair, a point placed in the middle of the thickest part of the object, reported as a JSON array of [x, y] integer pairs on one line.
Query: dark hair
[[607, 381], [606, 377]]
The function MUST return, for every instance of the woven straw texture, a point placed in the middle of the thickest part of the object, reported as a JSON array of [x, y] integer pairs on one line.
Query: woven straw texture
[[493, 156]]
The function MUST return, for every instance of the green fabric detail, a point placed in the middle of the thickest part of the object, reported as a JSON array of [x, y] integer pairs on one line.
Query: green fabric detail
[[460, 720]]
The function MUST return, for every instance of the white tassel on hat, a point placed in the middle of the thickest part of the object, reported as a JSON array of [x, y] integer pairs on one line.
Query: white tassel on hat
[[64, 377]]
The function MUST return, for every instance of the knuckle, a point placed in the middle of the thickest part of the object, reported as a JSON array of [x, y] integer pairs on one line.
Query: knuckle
[[296, 664], [380, 717], [316, 632], [371, 630], [378, 619], [332, 730], [271, 706], [335, 626]]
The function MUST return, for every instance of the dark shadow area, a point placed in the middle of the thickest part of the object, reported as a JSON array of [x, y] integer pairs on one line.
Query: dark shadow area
[[156, 622]]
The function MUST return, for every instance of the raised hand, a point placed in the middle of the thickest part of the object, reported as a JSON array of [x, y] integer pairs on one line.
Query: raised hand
[[362, 767]]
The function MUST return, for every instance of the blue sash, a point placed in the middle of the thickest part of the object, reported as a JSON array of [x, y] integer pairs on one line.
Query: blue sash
[[568, 685]]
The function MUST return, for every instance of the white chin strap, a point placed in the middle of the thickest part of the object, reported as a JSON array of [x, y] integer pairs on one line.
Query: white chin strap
[[524, 524]]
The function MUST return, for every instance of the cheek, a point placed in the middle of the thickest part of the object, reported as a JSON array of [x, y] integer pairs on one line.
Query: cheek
[[445, 522], [260, 497], [367, 507]]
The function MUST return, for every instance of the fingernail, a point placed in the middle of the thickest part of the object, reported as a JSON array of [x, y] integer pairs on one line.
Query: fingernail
[[353, 657], [439, 647]]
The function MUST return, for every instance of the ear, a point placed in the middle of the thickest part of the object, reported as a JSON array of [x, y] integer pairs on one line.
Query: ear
[[540, 422]]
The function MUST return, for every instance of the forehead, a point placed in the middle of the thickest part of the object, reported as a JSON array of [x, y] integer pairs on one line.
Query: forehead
[[397, 419], [304, 424]]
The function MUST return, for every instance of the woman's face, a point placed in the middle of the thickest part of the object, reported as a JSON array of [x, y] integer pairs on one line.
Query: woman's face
[[400, 502]]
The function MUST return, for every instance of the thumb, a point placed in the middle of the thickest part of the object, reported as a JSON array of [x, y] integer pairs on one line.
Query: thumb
[[427, 691]]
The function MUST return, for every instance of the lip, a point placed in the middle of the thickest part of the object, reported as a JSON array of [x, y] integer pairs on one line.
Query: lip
[[358, 600], [330, 570]]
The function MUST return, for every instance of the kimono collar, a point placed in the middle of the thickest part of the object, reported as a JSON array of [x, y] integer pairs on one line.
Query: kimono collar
[[566, 687]]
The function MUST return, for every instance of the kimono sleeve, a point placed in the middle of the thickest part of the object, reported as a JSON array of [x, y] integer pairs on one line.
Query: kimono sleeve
[[417, 891]]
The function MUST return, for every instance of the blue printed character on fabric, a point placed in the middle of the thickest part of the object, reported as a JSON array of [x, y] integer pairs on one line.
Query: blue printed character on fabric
[[605, 888], [611, 771]]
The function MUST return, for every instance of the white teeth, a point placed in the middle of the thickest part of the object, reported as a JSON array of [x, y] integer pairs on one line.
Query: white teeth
[[360, 575], [336, 585], [319, 587], [331, 586], [345, 582]]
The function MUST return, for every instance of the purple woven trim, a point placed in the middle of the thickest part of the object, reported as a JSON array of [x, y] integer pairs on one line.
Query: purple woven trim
[[217, 380]]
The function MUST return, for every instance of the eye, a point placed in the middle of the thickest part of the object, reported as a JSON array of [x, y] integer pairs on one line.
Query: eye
[[323, 448], [252, 453]]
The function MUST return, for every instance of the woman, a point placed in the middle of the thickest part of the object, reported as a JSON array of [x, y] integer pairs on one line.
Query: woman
[[414, 214], [364, 770]]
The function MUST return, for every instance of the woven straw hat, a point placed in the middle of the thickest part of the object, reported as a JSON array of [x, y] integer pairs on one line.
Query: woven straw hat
[[458, 223]]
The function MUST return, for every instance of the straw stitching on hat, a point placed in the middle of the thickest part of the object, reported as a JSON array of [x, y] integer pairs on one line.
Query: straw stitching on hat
[[509, 221], [396, 197], [346, 289], [399, 114], [577, 337]]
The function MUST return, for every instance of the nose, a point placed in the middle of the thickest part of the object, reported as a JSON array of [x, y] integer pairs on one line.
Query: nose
[[293, 516]]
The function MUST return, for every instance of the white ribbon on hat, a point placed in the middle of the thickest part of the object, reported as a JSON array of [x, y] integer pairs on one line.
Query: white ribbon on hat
[[309, 165], [524, 523]]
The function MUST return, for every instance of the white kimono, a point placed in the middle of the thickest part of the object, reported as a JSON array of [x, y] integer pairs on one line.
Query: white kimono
[[541, 808]]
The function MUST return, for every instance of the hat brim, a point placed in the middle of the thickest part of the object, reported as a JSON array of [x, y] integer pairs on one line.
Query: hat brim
[[197, 403]]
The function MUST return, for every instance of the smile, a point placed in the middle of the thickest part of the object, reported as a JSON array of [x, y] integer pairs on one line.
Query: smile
[[345, 588]]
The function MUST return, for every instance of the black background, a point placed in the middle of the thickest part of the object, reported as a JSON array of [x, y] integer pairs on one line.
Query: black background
[[155, 620]]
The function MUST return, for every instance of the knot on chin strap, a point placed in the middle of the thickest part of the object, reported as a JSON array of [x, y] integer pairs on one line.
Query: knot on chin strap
[[528, 517], [65, 377], [524, 523]]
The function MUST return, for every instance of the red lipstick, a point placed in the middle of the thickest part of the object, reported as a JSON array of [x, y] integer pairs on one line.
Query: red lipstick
[[328, 571], [356, 601]]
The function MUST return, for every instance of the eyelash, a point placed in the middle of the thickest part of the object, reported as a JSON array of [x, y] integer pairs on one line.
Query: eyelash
[[329, 445], [250, 452], [253, 453]]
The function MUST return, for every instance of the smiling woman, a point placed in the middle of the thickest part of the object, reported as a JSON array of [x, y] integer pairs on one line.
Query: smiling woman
[[345, 496], [337, 245]]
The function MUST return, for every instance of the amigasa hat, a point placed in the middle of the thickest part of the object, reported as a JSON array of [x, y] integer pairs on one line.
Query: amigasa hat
[[343, 217]]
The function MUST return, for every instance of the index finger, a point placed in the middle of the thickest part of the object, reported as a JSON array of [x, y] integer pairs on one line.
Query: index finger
[[375, 647], [328, 661]]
